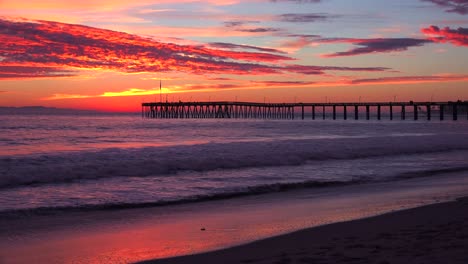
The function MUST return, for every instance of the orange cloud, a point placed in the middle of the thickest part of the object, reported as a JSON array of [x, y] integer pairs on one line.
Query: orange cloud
[[97, 4], [255, 85], [130, 92]]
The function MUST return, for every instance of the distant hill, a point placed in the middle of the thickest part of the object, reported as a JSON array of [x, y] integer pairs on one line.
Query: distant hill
[[42, 110]]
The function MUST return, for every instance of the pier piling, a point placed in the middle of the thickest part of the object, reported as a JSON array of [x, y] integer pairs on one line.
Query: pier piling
[[455, 112], [379, 112], [391, 111], [303, 113], [428, 110], [246, 110], [415, 107], [441, 111]]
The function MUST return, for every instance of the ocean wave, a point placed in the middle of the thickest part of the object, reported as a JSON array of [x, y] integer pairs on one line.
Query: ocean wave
[[431, 172], [227, 194], [245, 191], [168, 160]]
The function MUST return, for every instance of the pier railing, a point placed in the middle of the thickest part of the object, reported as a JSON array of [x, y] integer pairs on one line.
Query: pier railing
[[248, 110]]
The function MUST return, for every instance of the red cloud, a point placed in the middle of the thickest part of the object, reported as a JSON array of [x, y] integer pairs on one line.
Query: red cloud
[[48, 49], [458, 36], [54, 44]]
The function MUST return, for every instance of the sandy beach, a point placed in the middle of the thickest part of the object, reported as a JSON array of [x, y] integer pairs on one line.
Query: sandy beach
[[430, 234], [435, 232]]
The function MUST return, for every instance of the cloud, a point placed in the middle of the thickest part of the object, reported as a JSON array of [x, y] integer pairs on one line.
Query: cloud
[[223, 45], [54, 45], [458, 37], [259, 30], [254, 85], [22, 72], [298, 1], [375, 45], [239, 23], [288, 83], [220, 79], [98, 5], [53, 49], [243, 26], [452, 6], [303, 36], [300, 41], [412, 79], [305, 18], [318, 70], [141, 92], [372, 81]]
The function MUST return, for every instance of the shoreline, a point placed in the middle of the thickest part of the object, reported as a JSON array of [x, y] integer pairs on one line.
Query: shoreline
[[133, 235], [435, 233]]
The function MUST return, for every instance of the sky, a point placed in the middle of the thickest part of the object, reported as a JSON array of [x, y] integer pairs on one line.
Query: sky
[[112, 55]]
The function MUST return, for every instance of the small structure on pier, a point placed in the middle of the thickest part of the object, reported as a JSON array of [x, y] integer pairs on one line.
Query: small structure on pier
[[246, 110]]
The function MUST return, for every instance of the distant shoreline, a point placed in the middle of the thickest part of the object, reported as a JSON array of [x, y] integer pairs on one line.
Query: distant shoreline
[[42, 110]]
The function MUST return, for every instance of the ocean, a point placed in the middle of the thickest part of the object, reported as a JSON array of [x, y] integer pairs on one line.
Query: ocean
[[105, 161]]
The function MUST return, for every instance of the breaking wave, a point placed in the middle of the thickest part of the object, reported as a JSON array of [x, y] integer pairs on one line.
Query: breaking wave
[[168, 160]]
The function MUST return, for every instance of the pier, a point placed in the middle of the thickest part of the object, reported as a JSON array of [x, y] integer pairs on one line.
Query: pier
[[247, 110]]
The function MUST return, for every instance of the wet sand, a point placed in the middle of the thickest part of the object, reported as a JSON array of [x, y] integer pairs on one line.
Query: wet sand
[[435, 233]]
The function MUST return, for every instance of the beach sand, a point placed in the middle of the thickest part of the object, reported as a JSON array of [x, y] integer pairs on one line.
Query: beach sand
[[435, 233]]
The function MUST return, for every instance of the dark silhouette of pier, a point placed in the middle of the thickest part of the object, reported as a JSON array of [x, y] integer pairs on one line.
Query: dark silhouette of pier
[[248, 110]]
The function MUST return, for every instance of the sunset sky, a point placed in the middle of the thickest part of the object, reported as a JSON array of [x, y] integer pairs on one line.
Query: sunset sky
[[111, 54]]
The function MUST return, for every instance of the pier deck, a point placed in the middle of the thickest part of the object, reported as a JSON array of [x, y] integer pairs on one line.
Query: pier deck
[[249, 110]]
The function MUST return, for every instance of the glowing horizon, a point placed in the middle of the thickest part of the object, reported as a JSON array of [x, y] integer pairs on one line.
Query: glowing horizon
[[110, 55]]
